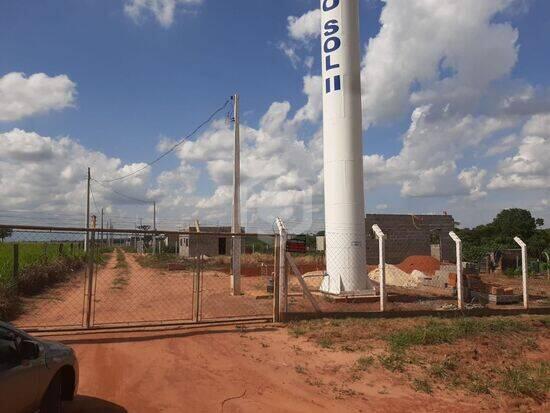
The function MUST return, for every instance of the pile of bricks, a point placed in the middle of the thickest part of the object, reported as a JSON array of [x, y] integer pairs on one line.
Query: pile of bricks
[[474, 283]]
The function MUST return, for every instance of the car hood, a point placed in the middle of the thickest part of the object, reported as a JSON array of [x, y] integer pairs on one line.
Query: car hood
[[55, 349]]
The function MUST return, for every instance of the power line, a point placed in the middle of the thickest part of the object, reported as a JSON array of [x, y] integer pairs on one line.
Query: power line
[[173, 148], [131, 198]]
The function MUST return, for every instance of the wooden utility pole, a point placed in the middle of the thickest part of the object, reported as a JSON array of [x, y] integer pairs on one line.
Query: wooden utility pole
[[236, 221], [87, 238]]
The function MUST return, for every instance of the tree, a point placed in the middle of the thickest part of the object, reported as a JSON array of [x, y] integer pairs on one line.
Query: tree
[[539, 222], [510, 223], [5, 233]]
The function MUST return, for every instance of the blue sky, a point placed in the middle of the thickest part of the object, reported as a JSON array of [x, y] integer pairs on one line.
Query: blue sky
[[138, 80]]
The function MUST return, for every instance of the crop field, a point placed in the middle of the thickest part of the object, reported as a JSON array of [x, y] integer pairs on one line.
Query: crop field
[[40, 264], [31, 253]]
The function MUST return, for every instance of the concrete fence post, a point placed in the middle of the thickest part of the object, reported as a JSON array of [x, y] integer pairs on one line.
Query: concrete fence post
[[523, 246], [547, 265], [459, 279], [283, 285], [381, 265]]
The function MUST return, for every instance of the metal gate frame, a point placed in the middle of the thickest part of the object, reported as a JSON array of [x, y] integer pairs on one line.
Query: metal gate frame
[[90, 285]]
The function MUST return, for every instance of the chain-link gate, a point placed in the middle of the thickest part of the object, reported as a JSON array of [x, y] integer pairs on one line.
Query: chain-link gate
[[54, 279]]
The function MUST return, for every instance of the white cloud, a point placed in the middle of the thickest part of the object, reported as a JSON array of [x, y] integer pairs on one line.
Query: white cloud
[[432, 48], [302, 30], [22, 96], [44, 174], [528, 169], [305, 27], [163, 10]]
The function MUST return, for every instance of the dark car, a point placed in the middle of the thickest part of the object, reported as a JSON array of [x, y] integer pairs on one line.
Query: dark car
[[35, 375]]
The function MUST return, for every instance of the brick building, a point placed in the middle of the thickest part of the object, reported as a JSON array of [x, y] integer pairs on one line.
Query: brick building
[[194, 244], [409, 235]]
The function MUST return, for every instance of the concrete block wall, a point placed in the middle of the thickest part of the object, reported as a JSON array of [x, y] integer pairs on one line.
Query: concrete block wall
[[409, 235]]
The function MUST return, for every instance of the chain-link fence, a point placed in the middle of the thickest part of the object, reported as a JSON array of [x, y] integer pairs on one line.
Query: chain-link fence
[[419, 272], [66, 279], [43, 278]]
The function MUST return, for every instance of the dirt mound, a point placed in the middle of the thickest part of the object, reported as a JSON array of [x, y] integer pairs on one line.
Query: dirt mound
[[423, 263]]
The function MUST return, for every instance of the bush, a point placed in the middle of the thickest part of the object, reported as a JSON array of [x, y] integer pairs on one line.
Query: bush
[[9, 300], [37, 277]]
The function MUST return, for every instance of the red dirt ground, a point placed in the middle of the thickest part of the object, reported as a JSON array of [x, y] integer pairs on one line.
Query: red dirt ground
[[225, 369]]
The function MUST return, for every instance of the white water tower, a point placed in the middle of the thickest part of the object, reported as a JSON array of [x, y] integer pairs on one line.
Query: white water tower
[[343, 149]]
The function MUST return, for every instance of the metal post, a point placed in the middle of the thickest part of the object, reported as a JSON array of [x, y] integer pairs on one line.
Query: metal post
[[236, 222], [381, 265], [90, 282], [197, 290], [459, 281], [523, 246], [15, 261], [86, 239]]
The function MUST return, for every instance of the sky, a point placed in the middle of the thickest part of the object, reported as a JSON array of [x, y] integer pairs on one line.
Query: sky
[[456, 109]]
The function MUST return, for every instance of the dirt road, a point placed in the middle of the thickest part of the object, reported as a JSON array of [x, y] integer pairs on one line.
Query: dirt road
[[231, 370]]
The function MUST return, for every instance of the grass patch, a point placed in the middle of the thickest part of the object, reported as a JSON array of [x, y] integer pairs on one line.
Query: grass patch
[[364, 363], [121, 260], [527, 380], [445, 332], [444, 369], [477, 384], [422, 386], [325, 342], [393, 362]]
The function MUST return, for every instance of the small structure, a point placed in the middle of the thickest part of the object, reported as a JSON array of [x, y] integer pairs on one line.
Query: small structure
[[201, 243], [411, 235]]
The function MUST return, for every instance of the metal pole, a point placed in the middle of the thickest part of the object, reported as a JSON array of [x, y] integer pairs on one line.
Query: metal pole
[[86, 239], [523, 246], [459, 286], [236, 222], [89, 283], [381, 265]]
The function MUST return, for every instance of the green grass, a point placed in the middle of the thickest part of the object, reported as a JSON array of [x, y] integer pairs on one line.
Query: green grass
[[445, 332], [527, 380], [40, 265], [31, 253], [121, 260], [444, 369], [392, 362]]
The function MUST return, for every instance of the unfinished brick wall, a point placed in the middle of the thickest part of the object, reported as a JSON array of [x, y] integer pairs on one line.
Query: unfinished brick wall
[[410, 235]]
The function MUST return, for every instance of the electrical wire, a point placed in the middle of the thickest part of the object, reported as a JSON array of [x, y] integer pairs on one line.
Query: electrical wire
[[173, 148], [131, 198]]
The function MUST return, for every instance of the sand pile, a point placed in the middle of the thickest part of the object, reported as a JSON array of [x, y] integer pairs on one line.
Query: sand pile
[[397, 277], [423, 263]]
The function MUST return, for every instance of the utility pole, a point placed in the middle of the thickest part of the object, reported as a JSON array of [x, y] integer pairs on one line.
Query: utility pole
[[236, 222], [86, 239], [154, 227], [102, 227]]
